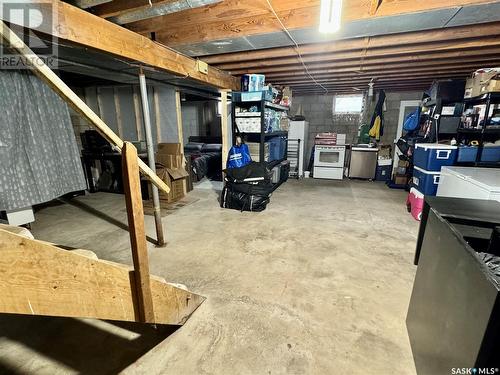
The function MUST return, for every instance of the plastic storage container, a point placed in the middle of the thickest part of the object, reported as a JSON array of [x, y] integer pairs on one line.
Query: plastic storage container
[[252, 96], [490, 154], [415, 203], [383, 172], [433, 156], [277, 146], [467, 154], [425, 181]]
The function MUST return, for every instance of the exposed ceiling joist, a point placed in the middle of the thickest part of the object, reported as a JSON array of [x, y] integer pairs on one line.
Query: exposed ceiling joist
[[403, 40], [158, 9], [234, 20], [117, 8], [429, 58], [382, 70], [77, 26], [84, 4], [395, 77], [414, 52]]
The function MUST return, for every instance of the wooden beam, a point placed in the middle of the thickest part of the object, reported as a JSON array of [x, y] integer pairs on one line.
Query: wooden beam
[[157, 108], [390, 41], [178, 110], [37, 278], [47, 75], [240, 19], [119, 122], [137, 113], [225, 11], [236, 27], [78, 26], [135, 215], [224, 127]]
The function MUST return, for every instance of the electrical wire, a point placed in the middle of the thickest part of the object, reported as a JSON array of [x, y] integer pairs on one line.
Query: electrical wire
[[297, 48]]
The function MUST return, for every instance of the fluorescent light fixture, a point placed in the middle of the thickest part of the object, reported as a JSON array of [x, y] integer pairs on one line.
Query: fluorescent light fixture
[[330, 16]]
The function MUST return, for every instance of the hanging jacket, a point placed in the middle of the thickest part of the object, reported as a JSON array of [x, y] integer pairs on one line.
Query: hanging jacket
[[377, 123]]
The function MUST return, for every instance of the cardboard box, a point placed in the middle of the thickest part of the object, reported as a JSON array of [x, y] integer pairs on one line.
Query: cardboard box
[[171, 168], [170, 148], [384, 151], [170, 161], [175, 178], [400, 180], [403, 163], [401, 170], [480, 78], [491, 86], [472, 87]]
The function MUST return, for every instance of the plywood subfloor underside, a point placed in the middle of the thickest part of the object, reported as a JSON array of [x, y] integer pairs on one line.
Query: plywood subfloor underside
[[319, 283]]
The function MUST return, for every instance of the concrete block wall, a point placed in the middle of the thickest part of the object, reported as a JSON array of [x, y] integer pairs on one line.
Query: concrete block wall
[[318, 110], [391, 115]]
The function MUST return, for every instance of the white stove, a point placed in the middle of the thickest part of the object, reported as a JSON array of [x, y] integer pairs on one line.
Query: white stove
[[329, 162]]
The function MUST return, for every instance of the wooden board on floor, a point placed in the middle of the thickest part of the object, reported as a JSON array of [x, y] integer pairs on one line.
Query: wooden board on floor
[[37, 278]]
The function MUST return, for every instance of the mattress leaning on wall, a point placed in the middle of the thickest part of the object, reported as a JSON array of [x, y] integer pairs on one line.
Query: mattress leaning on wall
[[39, 157]]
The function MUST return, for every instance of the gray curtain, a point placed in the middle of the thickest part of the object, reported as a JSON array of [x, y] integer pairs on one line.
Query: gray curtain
[[39, 157]]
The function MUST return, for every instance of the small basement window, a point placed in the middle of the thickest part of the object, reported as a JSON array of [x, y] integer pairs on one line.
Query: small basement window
[[347, 104]]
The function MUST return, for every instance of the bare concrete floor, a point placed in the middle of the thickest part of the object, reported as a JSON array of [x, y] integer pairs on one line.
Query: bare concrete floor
[[319, 283]]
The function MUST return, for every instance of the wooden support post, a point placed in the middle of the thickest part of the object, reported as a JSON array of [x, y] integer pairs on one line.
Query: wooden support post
[[119, 121], [47, 75], [178, 108], [180, 131], [224, 127], [135, 213], [137, 112]]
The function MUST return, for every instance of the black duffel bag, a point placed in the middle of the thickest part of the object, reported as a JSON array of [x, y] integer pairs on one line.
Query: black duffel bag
[[261, 188], [242, 201], [253, 170]]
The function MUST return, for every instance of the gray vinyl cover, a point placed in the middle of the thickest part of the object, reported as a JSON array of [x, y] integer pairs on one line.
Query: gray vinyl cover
[[39, 157]]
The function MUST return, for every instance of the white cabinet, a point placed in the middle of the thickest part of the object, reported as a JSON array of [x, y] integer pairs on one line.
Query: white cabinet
[[300, 130]]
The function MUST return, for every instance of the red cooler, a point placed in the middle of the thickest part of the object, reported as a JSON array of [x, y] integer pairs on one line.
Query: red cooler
[[415, 203]]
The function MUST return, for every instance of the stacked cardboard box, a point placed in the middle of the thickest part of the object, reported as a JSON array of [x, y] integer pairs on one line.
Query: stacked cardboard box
[[400, 173], [482, 81], [170, 167]]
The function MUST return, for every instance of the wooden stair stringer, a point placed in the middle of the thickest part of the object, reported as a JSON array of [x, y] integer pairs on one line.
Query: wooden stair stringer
[[38, 278]]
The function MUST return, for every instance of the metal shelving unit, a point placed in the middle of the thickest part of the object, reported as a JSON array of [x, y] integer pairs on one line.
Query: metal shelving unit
[[261, 137], [483, 132]]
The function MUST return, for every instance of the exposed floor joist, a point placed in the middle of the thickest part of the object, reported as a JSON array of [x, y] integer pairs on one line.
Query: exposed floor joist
[[233, 18], [423, 55], [446, 39]]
